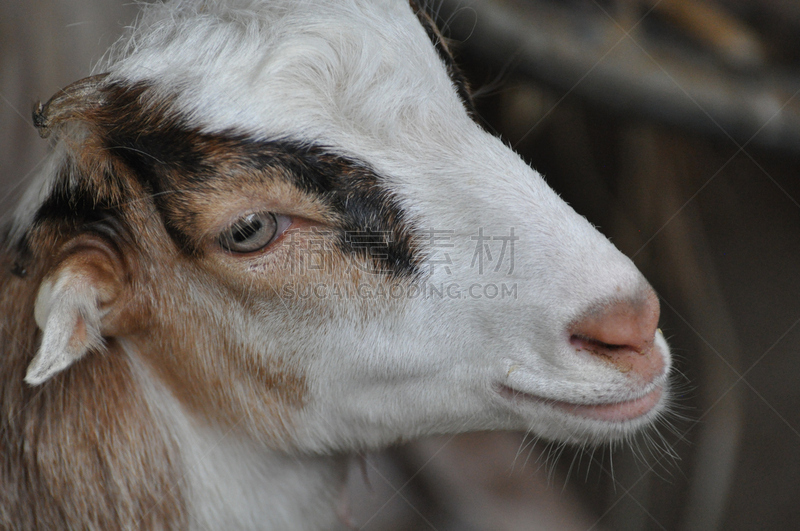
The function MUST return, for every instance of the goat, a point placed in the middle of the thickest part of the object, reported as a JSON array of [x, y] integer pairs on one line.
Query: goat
[[271, 235]]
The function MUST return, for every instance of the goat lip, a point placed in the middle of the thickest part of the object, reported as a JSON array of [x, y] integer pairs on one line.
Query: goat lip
[[607, 412]]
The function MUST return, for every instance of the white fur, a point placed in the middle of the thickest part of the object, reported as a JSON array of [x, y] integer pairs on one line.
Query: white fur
[[234, 484], [362, 78]]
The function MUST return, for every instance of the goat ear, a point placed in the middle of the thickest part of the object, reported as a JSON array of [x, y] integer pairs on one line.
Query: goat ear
[[71, 306]]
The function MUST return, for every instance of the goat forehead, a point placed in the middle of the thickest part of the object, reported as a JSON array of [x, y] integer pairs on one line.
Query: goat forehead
[[363, 69], [360, 77]]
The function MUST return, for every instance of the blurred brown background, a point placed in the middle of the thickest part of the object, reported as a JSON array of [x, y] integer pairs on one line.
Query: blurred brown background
[[674, 126]]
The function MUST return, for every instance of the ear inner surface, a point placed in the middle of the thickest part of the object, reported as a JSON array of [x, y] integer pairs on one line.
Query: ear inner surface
[[70, 307]]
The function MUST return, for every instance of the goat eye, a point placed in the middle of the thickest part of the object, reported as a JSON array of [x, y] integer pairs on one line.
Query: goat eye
[[250, 233]]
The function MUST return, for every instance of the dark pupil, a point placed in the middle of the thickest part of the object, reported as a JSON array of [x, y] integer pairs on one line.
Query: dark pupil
[[243, 232]]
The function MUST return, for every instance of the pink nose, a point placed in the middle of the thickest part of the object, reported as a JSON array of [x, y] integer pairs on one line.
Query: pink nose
[[623, 334]]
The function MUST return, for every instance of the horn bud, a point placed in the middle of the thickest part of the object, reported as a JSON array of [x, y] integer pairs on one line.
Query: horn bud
[[68, 103]]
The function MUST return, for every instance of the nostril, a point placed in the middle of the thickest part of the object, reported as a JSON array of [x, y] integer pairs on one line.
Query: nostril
[[587, 343], [629, 323], [623, 357], [623, 334]]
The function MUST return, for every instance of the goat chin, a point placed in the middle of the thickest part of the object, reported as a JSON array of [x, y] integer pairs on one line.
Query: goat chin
[[271, 235]]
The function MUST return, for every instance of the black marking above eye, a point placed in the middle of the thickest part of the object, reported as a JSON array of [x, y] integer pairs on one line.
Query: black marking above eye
[[170, 160], [251, 233]]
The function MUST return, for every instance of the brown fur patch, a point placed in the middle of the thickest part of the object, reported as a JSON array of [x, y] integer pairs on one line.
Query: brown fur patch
[[83, 449], [86, 448]]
